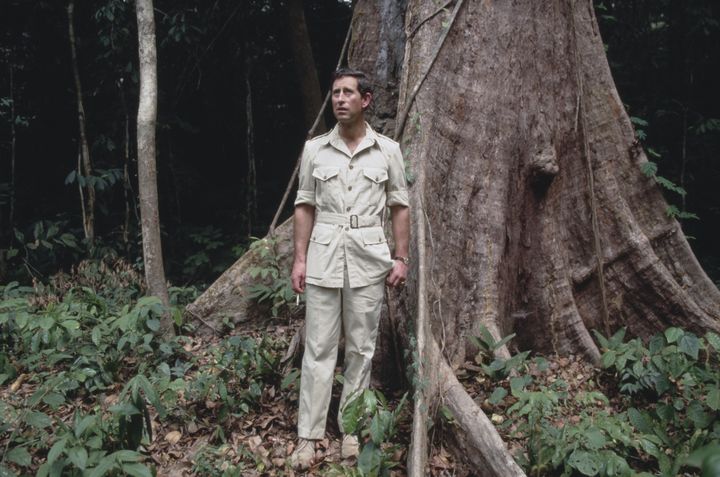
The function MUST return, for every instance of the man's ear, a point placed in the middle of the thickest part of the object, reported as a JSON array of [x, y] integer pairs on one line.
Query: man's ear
[[366, 100]]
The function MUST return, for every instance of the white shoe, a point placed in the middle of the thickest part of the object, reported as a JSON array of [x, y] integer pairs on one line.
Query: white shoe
[[303, 454], [350, 446]]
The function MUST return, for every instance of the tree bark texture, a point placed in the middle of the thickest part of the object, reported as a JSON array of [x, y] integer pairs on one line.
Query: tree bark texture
[[88, 206], [305, 65], [377, 48], [147, 169]]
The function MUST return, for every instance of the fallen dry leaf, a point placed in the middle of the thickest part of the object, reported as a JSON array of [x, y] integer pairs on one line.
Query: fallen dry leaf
[[173, 437], [18, 382]]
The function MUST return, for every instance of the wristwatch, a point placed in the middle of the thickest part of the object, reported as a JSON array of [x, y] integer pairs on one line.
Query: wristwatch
[[405, 260]]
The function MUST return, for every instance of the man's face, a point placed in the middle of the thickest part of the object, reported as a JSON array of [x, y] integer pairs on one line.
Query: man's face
[[347, 103]]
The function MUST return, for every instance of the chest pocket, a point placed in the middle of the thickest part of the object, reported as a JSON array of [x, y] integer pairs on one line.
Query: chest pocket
[[372, 185], [327, 184]]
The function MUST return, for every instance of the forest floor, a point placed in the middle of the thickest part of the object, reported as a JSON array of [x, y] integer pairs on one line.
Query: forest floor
[[86, 378], [260, 441]]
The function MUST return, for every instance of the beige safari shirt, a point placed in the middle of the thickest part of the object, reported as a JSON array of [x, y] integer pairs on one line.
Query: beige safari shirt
[[340, 184]]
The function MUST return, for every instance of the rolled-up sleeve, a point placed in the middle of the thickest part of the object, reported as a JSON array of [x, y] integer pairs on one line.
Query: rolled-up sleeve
[[397, 193], [306, 181]]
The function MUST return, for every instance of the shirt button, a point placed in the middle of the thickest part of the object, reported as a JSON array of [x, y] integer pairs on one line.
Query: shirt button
[[349, 187], [347, 228], [351, 166], [348, 209]]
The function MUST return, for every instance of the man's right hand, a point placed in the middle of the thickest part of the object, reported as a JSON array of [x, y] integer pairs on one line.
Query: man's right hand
[[297, 277]]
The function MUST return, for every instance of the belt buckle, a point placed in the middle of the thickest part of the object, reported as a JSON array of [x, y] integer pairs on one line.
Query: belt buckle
[[354, 222]]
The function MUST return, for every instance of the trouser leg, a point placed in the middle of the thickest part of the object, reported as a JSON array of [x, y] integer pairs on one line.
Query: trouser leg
[[323, 308], [361, 315]]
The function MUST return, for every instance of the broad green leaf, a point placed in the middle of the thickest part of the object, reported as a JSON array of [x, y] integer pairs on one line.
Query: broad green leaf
[[78, 456], [690, 345], [96, 336], [713, 399], [698, 416], [608, 359], [54, 400], [136, 470], [153, 324], [46, 322], [641, 420], [70, 324], [19, 456], [377, 429], [713, 339], [497, 395], [673, 334], [595, 439], [105, 465], [84, 424], [584, 462], [38, 420], [56, 450], [650, 447], [369, 459]]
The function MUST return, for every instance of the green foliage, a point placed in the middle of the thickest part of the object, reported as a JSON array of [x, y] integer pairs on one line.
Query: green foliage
[[273, 283], [675, 385], [496, 367], [367, 415], [670, 400], [650, 169], [76, 338]]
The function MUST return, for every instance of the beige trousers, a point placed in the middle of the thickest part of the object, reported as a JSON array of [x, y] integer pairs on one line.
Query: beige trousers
[[357, 310]]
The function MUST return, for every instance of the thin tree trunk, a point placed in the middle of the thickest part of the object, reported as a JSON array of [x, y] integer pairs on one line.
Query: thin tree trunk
[[88, 207], [147, 172], [127, 188], [305, 65], [251, 181], [13, 143]]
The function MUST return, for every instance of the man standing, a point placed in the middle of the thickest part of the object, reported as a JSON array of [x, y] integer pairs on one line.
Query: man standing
[[342, 261]]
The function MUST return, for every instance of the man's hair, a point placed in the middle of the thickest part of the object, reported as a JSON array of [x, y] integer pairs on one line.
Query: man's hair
[[364, 84]]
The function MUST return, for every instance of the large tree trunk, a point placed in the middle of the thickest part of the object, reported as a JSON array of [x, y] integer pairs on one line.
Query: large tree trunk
[[147, 169], [530, 210]]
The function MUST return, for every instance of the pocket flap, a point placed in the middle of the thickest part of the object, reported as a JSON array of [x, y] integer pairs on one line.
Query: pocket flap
[[322, 234], [325, 173], [373, 235], [375, 175]]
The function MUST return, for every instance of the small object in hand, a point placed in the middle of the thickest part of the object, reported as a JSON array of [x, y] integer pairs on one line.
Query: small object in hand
[[297, 300]]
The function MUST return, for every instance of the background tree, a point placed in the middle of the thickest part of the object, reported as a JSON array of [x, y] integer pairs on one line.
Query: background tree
[[147, 172], [84, 167]]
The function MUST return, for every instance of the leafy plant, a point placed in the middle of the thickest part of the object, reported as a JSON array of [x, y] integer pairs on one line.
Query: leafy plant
[[368, 416], [273, 282], [496, 367], [676, 392]]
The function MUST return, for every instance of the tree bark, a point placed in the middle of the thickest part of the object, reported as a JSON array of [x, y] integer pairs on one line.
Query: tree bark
[[88, 206], [530, 210], [305, 65], [147, 171]]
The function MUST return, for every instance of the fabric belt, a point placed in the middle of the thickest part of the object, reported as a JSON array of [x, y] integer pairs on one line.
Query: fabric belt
[[354, 221]]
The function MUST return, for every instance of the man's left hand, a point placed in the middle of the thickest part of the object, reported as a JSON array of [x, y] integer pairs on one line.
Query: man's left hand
[[398, 274]]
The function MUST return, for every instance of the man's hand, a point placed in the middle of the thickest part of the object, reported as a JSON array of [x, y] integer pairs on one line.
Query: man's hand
[[297, 277], [398, 274]]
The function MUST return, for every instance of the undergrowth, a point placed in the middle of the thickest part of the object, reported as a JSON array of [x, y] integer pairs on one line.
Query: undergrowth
[[87, 372], [661, 417]]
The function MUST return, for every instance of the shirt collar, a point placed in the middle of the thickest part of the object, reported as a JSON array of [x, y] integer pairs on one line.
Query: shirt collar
[[333, 138]]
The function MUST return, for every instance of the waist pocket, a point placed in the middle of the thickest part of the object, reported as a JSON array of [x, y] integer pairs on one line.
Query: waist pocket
[[320, 250]]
